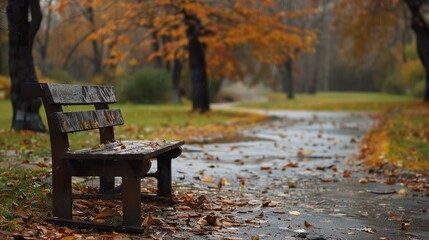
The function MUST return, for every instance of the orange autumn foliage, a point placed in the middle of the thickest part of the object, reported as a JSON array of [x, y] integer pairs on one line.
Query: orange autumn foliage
[[230, 31]]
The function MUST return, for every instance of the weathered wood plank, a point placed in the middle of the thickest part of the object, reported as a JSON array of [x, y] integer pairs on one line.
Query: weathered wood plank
[[125, 150], [67, 94], [103, 168], [67, 122]]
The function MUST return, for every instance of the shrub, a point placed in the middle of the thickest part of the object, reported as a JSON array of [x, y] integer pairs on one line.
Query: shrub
[[4, 86], [60, 75], [419, 89], [394, 85], [148, 85]]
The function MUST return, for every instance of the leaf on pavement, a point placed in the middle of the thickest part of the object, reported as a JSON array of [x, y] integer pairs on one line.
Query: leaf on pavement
[[210, 220], [347, 173], [223, 182], [369, 230], [405, 226], [296, 213], [208, 179], [363, 180], [147, 222], [403, 192], [308, 225]]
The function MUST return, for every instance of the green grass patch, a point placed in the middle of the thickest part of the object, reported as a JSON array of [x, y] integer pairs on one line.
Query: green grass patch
[[408, 135], [23, 195], [401, 139], [333, 101]]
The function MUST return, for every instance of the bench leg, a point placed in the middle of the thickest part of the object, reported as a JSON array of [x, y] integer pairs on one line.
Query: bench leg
[[131, 202], [164, 176], [106, 184], [61, 191]]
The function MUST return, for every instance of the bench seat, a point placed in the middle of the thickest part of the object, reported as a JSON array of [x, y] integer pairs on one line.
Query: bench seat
[[124, 150]]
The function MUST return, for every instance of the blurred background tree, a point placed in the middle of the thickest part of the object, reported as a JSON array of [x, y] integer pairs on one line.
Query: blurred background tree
[[378, 35], [269, 45]]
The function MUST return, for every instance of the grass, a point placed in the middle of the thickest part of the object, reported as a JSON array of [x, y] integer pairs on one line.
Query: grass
[[333, 101], [23, 196], [402, 139], [141, 122]]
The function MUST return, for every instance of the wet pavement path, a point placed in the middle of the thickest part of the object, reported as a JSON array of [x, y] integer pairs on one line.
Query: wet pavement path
[[289, 179]]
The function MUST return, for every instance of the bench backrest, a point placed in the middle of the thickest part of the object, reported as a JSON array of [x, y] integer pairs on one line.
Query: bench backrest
[[54, 96]]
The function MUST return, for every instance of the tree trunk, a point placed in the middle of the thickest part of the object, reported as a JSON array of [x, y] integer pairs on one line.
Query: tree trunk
[[312, 88], [2, 50], [177, 70], [21, 67], [98, 58], [421, 29], [287, 79], [44, 46], [197, 65], [157, 61]]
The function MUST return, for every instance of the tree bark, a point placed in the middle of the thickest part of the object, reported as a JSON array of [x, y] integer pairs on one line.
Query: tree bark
[[98, 58], [177, 70], [421, 30], [312, 88], [2, 50], [21, 66], [43, 47], [287, 79], [157, 61], [197, 65]]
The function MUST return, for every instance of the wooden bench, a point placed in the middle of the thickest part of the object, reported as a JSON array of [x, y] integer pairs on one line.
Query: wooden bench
[[130, 160]]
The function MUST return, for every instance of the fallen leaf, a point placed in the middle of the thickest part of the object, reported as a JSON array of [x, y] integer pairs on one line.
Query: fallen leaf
[[265, 168], [321, 168], [404, 226], [69, 238], [390, 181], [208, 179], [183, 208], [363, 180], [403, 192], [308, 152], [369, 230], [347, 173], [223, 182], [308, 225], [242, 184], [210, 220], [147, 222], [269, 204], [106, 213], [291, 164]]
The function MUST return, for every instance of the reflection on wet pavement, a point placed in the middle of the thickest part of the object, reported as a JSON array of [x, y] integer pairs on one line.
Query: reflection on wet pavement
[[306, 162]]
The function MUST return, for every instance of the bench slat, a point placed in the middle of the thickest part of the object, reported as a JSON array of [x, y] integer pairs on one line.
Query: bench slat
[[125, 150], [66, 94], [67, 122]]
